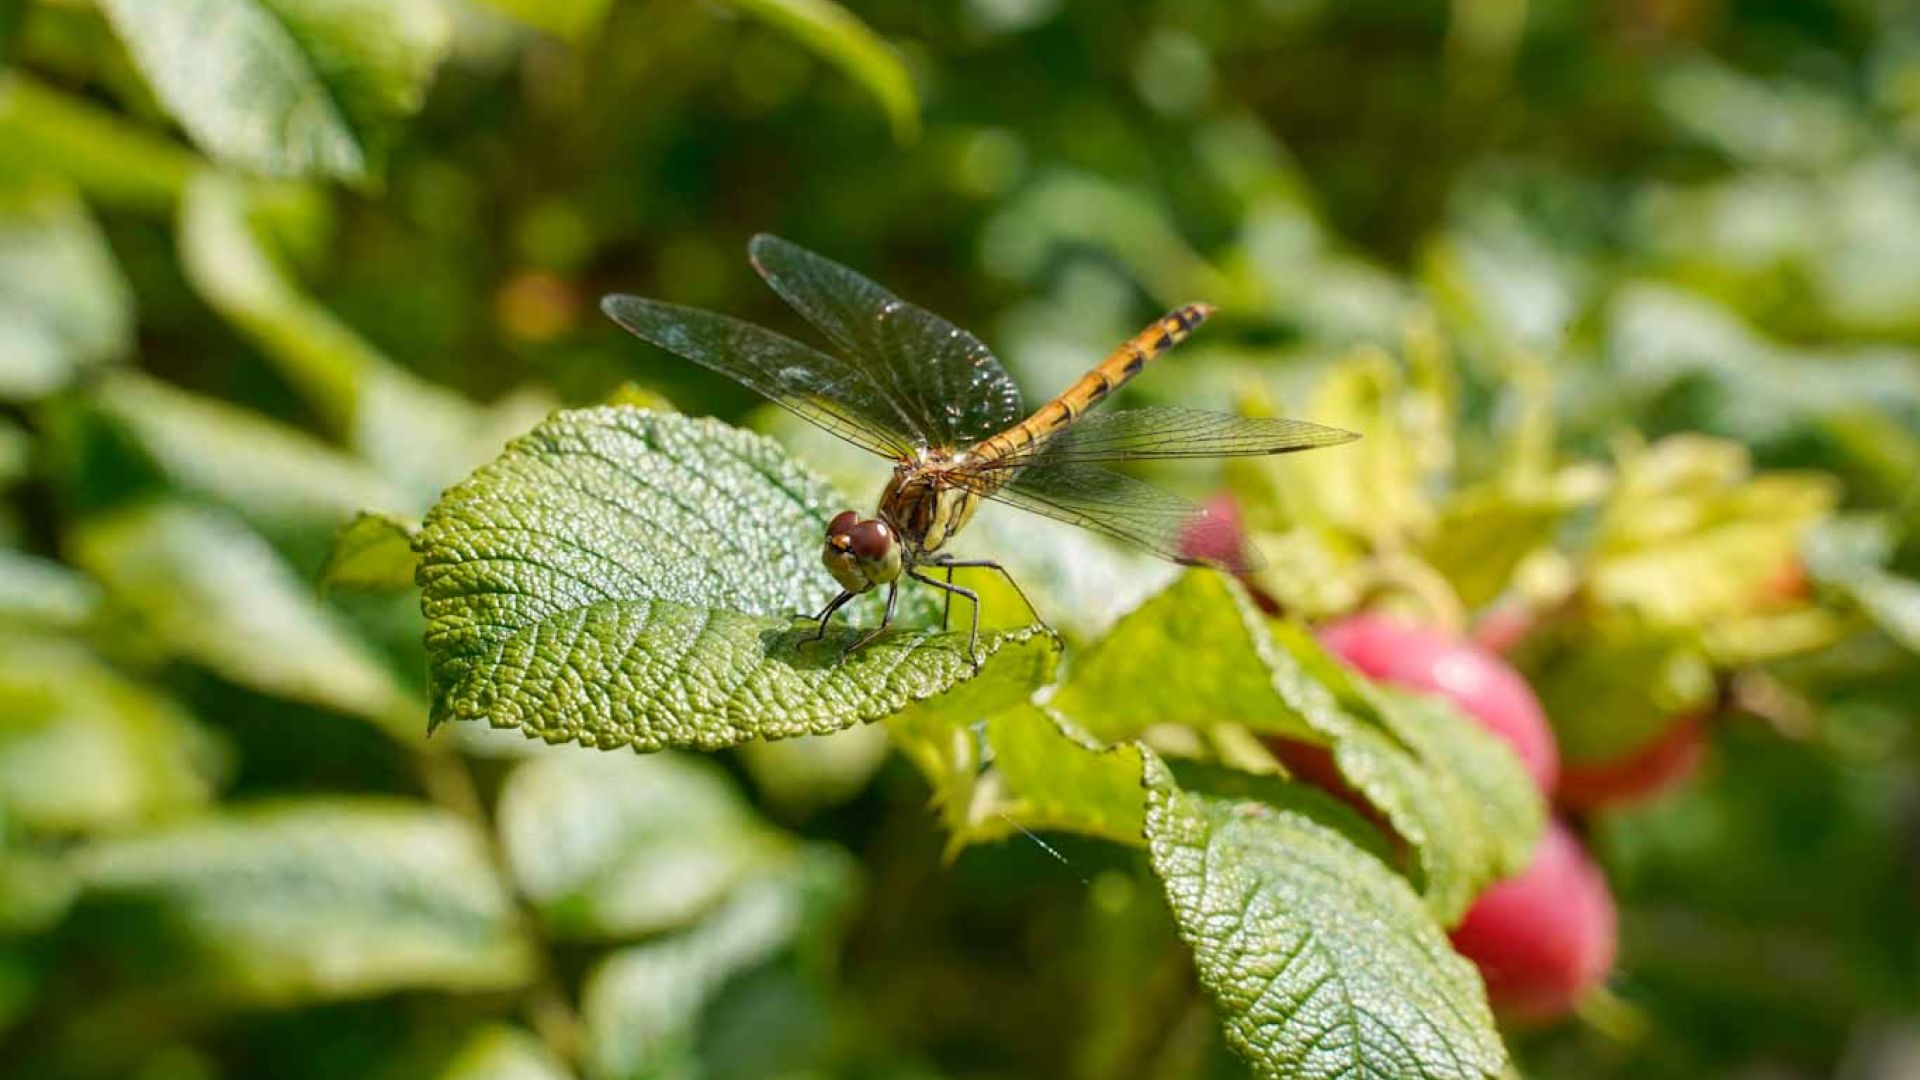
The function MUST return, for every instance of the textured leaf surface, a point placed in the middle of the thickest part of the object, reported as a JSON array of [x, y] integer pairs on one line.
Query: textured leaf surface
[[63, 304], [287, 87], [214, 592], [82, 749], [615, 845], [317, 900], [642, 1005], [1322, 961], [620, 577], [1455, 794], [374, 553]]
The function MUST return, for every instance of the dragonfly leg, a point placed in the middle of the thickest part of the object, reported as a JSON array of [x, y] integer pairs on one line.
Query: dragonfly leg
[[989, 564], [826, 613], [893, 594], [946, 609], [973, 635]]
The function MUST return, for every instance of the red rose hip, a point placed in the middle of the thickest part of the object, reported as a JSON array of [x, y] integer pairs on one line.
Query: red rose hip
[[1545, 939], [1484, 686]]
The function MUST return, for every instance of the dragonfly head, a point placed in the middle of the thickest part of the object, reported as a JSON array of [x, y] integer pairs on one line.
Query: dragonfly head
[[860, 554]]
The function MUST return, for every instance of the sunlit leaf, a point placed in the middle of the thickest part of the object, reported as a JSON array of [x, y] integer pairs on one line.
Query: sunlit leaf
[[374, 553], [501, 1052], [63, 304], [625, 578], [215, 593], [1321, 960], [815, 771], [287, 87], [316, 900], [616, 845], [1690, 535], [282, 480], [1849, 556], [844, 41], [1456, 795], [84, 749], [1046, 779], [571, 19], [41, 592], [107, 157], [419, 436], [642, 1005]]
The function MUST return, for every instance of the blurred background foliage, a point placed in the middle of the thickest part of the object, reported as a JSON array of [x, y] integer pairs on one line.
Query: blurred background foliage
[[1624, 293]]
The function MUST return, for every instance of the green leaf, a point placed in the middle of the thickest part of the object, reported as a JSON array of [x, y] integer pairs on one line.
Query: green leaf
[[374, 553], [1690, 534], [1226, 674], [312, 901], [642, 1005], [36, 889], [502, 1052], [614, 845], [1848, 556], [282, 480], [805, 774], [1614, 685], [570, 19], [1321, 960], [1457, 795], [36, 591], [287, 87], [83, 749], [1046, 778], [420, 436], [625, 578], [214, 592], [108, 158], [844, 41], [1484, 533], [64, 307]]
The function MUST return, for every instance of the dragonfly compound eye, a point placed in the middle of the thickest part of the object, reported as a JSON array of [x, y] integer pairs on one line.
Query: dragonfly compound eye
[[870, 539], [842, 523]]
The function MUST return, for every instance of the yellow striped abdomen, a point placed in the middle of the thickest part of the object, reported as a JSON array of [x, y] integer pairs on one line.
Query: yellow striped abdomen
[[1087, 391]]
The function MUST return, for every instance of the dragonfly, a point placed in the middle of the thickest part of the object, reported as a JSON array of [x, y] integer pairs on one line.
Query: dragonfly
[[904, 383]]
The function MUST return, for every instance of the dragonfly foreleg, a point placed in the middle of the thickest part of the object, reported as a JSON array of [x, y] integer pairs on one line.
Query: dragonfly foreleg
[[989, 564], [826, 613], [893, 595], [973, 634]]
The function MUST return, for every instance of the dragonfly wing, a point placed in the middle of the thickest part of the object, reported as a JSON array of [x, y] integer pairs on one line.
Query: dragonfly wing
[[1169, 431], [827, 390], [1105, 501], [940, 382]]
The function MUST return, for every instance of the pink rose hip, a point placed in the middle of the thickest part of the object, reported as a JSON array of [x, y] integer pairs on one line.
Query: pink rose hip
[[1545, 939], [1484, 686]]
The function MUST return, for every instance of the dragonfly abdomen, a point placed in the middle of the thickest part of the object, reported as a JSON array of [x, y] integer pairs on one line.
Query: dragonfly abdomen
[[1090, 389]]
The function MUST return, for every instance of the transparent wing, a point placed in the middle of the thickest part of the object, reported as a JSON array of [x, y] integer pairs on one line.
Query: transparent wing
[[1169, 431], [938, 382], [1111, 503], [839, 396]]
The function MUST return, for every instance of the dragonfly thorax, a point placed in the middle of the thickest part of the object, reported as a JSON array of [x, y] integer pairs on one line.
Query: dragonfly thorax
[[924, 505]]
